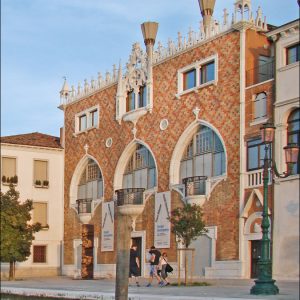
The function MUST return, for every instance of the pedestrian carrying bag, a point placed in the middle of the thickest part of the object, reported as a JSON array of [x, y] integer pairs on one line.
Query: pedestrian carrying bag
[[169, 269]]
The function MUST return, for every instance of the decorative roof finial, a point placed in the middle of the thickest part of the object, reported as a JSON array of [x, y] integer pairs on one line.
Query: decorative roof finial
[[207, 10], [64, 92]]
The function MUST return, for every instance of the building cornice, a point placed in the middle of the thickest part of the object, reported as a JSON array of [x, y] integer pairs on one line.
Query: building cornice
[[39, 148], [286, 29]]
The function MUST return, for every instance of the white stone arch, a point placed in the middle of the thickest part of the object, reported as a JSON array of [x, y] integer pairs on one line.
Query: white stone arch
[[123, 160], [76, 177], [183, 142]]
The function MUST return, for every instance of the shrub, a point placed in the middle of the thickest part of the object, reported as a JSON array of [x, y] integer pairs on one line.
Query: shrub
[[4, 178]]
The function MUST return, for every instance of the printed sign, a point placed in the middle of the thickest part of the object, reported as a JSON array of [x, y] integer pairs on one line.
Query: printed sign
[[107, 226], [162, 226]]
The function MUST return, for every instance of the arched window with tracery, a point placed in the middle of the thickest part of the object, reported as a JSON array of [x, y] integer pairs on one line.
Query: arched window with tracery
[[90, 187], [140, 171], [293, 136], [204, 155]]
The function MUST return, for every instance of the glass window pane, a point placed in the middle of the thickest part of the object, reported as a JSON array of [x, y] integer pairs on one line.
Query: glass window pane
[[82, 123], [100, 189], [210, 71], [130, 101], [151, 178], [218, 165], [208, 164], [207, 72], [142, 97], [94, 118], [189, 79], [199, 165], [253, 158], [293, 54]]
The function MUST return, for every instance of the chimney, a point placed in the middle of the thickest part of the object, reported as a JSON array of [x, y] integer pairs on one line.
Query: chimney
[[207, 10]]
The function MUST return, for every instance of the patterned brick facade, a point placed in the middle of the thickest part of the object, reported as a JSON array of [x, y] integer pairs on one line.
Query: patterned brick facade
[[219, 106]]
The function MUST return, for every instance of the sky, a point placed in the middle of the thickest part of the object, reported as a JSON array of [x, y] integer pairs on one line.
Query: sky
[[44, 40]]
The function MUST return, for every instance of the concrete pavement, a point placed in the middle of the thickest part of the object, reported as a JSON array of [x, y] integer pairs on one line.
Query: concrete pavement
[[68, 288]]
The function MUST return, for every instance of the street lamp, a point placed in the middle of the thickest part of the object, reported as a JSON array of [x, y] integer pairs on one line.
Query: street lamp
[[265, 285]]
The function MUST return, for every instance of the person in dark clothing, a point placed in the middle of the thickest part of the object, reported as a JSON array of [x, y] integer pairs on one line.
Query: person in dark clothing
[[134, 264], [154, 261]]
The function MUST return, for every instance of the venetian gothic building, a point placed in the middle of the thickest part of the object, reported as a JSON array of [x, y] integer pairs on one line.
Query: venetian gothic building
[[180, 123]]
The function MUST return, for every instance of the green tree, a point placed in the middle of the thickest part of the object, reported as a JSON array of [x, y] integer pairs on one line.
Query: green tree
[[187, 224], [16, 232]]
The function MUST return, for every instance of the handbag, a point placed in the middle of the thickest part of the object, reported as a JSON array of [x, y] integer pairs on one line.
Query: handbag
[[169, 269]]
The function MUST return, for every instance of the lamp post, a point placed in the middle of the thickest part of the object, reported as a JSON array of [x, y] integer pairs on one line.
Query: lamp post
[[265, 285]]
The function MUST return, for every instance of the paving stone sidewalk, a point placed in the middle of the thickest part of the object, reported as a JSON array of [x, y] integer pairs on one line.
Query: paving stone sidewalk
[[67, 288]]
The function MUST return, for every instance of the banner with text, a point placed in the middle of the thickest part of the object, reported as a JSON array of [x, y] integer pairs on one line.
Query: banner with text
[[162, 226], [107, 236]]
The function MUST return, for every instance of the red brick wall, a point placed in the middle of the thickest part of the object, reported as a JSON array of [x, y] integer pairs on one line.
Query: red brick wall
[[219, 105]]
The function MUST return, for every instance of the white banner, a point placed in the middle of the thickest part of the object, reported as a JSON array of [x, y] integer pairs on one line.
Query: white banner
[[162, 226], [107, 226]]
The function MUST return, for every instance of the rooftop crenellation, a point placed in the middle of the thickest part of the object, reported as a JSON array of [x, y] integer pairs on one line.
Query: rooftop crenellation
[[242, 14]]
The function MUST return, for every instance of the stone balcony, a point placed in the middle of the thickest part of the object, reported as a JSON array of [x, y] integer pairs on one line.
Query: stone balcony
[[195, 189], [130, 202]]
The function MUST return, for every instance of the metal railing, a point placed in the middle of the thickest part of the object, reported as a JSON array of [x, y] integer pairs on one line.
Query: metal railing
[[130, 196], [195, 185], [84, 205], [260, 74]]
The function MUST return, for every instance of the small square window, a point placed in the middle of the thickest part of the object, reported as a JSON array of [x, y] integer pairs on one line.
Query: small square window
[[39, 254], [189, 79], [292, 54], [207, 72]]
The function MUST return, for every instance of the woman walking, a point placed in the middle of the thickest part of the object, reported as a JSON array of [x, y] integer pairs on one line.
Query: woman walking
[[163, 261]]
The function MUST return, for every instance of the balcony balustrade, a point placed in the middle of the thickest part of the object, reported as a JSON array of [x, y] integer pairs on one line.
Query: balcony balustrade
[[84, 206], [255, 178], [195, 185], [130, 196]]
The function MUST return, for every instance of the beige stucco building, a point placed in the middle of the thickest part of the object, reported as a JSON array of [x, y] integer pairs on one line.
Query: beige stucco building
[[35, 161], [287, 122]]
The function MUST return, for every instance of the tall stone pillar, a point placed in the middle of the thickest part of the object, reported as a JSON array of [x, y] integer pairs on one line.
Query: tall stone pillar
[[123, 250]]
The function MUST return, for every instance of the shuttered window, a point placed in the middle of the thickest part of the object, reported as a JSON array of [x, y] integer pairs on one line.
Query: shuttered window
[[39, 254], [40, 213], [40, 170], [8, 166]]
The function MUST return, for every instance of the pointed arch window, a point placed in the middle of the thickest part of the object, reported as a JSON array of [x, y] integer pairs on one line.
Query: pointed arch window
[[140, 171], [90, 186], [204, 155], [293, 136]]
